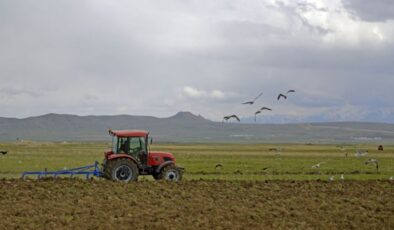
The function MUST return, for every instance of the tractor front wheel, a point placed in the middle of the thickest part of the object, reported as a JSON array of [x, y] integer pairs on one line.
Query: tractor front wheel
[[170, 173], [123, 170]]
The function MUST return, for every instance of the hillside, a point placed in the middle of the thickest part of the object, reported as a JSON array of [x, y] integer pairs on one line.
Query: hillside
[[187, 127]]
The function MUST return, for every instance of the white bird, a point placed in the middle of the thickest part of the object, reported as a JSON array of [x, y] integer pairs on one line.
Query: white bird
[[342, 177], [373, 161], [317, 165], [331, 178], [342, 148], [360, 153], [391, 178]]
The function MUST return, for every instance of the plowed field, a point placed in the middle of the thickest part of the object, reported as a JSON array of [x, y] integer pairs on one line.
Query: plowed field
[[97, 204]]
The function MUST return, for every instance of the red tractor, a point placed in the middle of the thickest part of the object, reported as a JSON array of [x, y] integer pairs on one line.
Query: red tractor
[[130, 157]]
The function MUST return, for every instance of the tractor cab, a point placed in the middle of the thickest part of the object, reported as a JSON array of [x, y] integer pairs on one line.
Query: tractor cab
[[133, 143], [130, 156]]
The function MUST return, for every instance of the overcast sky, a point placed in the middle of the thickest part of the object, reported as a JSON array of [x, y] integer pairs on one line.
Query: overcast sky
[[158, 57]]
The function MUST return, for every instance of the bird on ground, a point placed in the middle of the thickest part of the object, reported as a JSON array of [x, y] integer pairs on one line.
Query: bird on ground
[[281, 96], [360, 153], [278, 151], [331, 178], [317, 165], [373, 161], [4, 152], [342, 177], [226, 118], [342, 148], [391, 178], [290, 91], [252, 102], [265, 168], [218, 166]]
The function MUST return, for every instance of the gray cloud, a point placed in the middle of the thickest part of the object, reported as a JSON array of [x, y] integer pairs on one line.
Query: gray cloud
[[101, 57], [378, 10]]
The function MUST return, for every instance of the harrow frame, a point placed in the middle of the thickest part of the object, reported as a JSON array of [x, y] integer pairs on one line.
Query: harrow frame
[[88, 171]]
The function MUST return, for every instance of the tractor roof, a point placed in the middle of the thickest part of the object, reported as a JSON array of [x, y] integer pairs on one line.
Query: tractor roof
[[129, 133]]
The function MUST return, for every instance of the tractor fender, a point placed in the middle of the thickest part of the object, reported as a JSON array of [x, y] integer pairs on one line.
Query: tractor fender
[[118, 156], [164, 164]]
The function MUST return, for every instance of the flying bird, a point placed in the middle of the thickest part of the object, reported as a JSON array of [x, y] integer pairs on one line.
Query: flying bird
[[259, 111], [4, 152], [218, 166], [281, 95], [226, 118], [290, 91], [255, 114], [265, 108], [252, 102]]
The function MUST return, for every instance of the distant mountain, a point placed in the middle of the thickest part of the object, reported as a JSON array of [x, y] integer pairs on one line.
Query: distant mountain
[[187, 116], [187, 127]]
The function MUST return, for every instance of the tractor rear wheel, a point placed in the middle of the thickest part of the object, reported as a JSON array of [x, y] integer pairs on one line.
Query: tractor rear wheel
[[170, 173], [123, 170]]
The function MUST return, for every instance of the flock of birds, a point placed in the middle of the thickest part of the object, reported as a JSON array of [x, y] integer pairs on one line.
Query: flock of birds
[[359, 153], [252, 102]]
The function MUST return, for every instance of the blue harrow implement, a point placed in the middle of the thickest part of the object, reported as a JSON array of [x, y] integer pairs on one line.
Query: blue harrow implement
[[88, 171]]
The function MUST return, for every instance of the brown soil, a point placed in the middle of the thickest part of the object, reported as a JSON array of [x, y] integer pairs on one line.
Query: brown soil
[[93, 204]]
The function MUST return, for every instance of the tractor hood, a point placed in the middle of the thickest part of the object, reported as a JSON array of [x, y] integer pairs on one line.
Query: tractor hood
[[161, 154], [157, 158]]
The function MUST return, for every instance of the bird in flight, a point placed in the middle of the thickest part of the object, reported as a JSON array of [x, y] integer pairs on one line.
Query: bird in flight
[[4, 152], [265, 108], [226, 118], [285, 96], [259, 111], [281, 96], [255, 114], [252, 102]]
